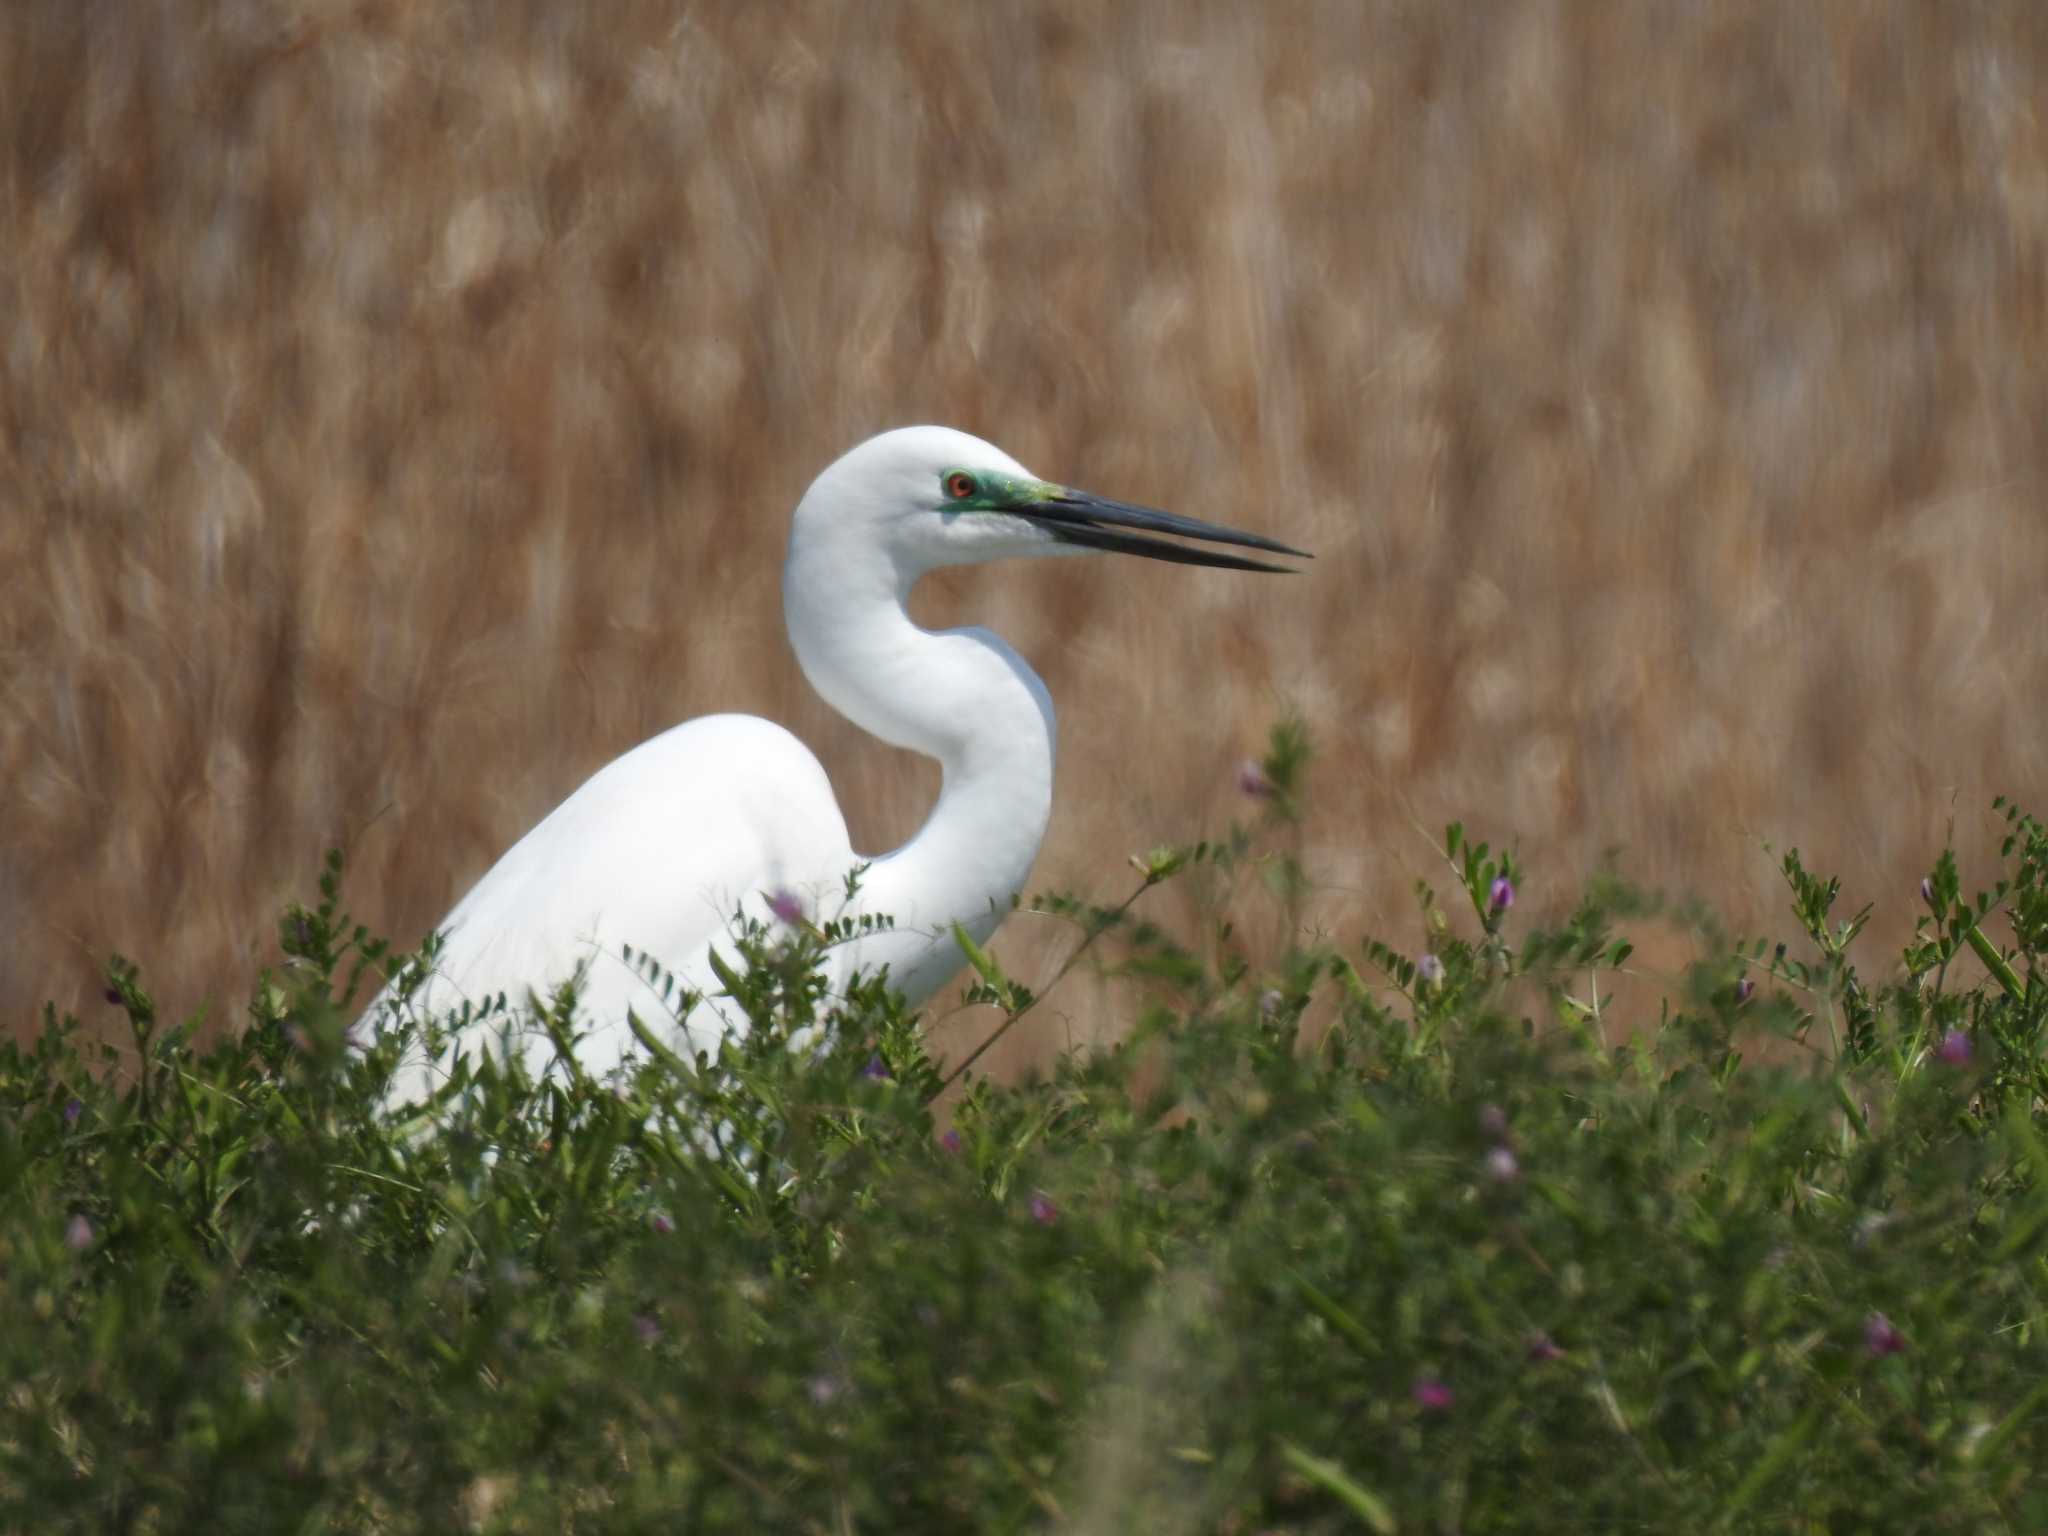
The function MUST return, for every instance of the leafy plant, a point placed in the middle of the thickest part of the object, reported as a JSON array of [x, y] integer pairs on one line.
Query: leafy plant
[[1344, 1234]]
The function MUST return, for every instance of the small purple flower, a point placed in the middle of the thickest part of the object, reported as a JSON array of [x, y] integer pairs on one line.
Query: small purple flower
[[1503, 894], [645, 1328], [1429, 970], [1269, 1002], [1252, 780], [114, 996], [72, 1111], [1493, 1120], [876, 1068], [1880, 1338], [951, 1140], [661, 1224], [1432, 1395], [1043, 1211], [1927, 890], [823, 1388], [78, 1234], [1955, 1049], [1501, 1166], [786, 907], [1543, 1348], [1745, 989]]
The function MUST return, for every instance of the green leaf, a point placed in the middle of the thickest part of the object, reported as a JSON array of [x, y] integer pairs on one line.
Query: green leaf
[[1336, 1316], [1335, 1481], [981, 960]]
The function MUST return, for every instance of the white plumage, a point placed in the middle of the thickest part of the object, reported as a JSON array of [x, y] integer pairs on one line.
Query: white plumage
[[656, 850]]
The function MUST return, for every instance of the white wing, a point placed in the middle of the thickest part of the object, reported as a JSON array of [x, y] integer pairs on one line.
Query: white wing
[[654, 852]]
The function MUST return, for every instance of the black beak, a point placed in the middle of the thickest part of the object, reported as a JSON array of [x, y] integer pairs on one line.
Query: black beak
[[1095, 522]]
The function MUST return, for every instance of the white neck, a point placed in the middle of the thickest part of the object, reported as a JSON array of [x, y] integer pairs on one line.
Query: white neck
[[961, 696]]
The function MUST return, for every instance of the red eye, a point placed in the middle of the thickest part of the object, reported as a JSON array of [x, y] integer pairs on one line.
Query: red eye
[[960, 485]]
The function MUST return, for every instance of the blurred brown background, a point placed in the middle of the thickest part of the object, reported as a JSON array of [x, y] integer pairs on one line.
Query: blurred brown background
[[401, 405]]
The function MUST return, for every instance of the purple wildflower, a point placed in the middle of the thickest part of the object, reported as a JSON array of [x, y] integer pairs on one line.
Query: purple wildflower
[[1745, 989], [114, 996], [1432, 1395], [1269, 1002], [72, 1111], [1503, 894], [1955, 1048], [786, 906], [951, 1140], [823, 1388], [1252, 780], [1501, 1165], [661, 1224], [1429, 970], [1880, 1337], [1543, 1348], [876, 1067], [78, 1234], [1043, 1211], [645, 1328], [1927, 890]]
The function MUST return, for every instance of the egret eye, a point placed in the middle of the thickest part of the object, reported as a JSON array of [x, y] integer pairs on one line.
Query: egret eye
[[960, 485]]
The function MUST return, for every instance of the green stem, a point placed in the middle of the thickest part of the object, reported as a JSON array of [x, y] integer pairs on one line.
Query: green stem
[[1095, 931], [1995, 963]]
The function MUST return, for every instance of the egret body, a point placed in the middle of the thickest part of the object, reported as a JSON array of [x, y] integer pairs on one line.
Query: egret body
[[659, 848]]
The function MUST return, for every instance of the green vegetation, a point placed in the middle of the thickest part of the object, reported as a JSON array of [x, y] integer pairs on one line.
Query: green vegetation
[[1342, 1238]]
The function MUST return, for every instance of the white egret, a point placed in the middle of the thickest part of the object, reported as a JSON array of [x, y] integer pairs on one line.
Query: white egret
[[658, 849]]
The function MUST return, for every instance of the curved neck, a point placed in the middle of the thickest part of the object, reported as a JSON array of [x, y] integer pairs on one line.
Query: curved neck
[[961, 696]]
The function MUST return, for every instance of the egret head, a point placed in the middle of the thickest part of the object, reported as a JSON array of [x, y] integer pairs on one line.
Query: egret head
[[930, 496]]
